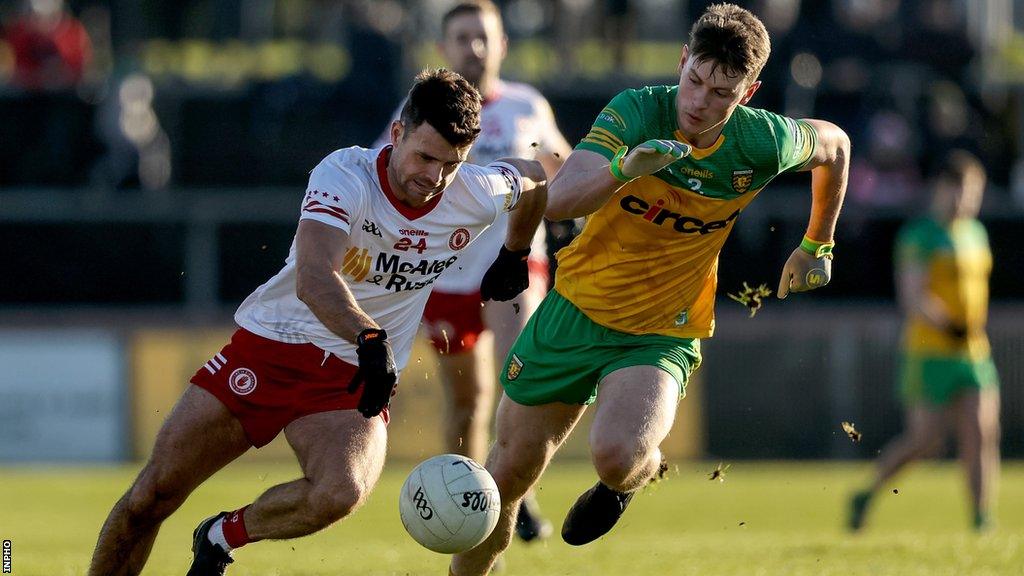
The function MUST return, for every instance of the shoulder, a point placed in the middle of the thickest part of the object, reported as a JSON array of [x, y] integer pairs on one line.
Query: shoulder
[[520, 92], [349, 173], [346, 164], [918, 231]]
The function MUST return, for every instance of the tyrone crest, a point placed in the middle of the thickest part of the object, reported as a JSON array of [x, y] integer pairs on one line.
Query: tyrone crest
[[742, 179]]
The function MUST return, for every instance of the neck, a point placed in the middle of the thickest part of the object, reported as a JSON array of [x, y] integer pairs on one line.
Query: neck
[[488, 86]]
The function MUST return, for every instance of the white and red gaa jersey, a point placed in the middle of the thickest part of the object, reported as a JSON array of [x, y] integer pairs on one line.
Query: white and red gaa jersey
[[395, 252], [516, 122]]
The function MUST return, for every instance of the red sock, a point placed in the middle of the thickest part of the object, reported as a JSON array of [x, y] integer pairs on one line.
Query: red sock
[[234, 529]]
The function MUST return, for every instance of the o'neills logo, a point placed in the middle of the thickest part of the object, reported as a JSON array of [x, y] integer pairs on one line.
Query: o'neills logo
[[242, 381], [658, 215]]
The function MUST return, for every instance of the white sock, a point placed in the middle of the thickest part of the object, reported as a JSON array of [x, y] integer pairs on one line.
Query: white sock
[[216, 535]]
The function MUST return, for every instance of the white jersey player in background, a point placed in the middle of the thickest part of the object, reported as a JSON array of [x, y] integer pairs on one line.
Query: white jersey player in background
[[516, 121], [321, 344]]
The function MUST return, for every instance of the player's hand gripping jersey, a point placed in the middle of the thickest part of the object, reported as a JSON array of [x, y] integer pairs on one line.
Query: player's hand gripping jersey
[[958, 262], [646, 262], [395, 252]]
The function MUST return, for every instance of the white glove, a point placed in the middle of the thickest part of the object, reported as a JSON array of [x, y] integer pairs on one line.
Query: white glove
[[804, 271], [646, 158]]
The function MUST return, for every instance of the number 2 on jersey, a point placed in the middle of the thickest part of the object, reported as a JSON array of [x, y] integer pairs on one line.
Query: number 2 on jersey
[[405, 244]]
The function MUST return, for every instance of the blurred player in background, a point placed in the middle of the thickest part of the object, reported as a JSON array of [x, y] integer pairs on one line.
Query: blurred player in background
[[947, 377], [516, 121], [662, 176], [320, 345]]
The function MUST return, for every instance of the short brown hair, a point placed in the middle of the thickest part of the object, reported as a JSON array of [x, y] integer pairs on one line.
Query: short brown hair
[[446, 101], [731, 37], [469, 7]]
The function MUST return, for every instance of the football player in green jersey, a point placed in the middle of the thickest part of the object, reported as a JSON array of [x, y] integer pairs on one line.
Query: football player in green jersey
[[661, 177], [947, 375]]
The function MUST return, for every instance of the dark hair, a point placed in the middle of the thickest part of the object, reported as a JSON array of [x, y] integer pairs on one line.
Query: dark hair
[[469, 7], [446, 101], [731, 37], [957, 165]]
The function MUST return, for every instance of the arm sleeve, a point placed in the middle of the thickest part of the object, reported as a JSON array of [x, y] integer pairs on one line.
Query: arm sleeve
[[332, 196], [504, 184], [794, 140], [618, 124]]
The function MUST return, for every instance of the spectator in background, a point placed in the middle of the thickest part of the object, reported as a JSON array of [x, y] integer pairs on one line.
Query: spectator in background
[[51, 47], [947, 378], [517, 121]]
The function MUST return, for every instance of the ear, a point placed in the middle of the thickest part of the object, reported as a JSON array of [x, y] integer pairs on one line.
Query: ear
[[504, 46], [397, 131], [750, 92], [682, 58]]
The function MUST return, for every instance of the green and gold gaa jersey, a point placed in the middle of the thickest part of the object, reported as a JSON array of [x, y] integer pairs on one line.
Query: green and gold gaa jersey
[[646, 262], [958, 262]]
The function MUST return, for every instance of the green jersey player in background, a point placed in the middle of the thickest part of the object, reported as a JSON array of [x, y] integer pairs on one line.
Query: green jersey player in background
[[947, 376]]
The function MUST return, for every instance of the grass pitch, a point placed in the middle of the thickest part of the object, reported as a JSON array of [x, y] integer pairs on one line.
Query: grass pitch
[[765, 518]]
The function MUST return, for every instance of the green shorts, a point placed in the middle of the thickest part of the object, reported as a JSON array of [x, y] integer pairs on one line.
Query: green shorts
[[561, 355], [937, 381]]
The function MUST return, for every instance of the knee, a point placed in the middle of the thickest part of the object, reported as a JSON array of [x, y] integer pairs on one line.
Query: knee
[[152, 498], [615, 461], [330, 502], [515, 473]]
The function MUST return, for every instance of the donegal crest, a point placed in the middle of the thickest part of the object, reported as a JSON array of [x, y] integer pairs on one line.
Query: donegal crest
[[741, 180], [515, 366]]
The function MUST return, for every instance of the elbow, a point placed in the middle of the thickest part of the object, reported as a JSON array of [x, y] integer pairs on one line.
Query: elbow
[[304, 287]]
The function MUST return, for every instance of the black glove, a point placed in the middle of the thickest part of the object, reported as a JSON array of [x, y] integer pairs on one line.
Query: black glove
[[376, 370], [507, 277]]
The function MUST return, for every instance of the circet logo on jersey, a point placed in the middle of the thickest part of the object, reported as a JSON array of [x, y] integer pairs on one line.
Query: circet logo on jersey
[[459, 239], [242, 381]]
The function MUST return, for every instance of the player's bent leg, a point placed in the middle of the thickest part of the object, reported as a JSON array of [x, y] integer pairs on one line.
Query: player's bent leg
[[469, 378], [526, 439], [341, 454], [636, 408], [505, 320], [198, 438], [925, 434]]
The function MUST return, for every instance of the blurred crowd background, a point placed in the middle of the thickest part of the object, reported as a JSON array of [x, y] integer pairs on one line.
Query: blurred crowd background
[[152, 155]]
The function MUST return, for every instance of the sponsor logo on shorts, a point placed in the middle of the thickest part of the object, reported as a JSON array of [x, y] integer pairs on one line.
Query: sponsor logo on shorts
[[515, 366], [459, 239], [242, 381]]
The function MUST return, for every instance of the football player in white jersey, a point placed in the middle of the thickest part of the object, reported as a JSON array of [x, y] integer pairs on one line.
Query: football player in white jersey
[[516, 121], [321, 344]]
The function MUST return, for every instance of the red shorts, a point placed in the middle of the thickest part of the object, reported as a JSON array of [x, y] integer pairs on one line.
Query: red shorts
[[267, 384], [455, 321]]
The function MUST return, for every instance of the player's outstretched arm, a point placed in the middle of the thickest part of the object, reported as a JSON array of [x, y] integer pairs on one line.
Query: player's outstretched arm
[[810, 265], [587, 180], [509, 274], [319, 257], [528, 212]]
